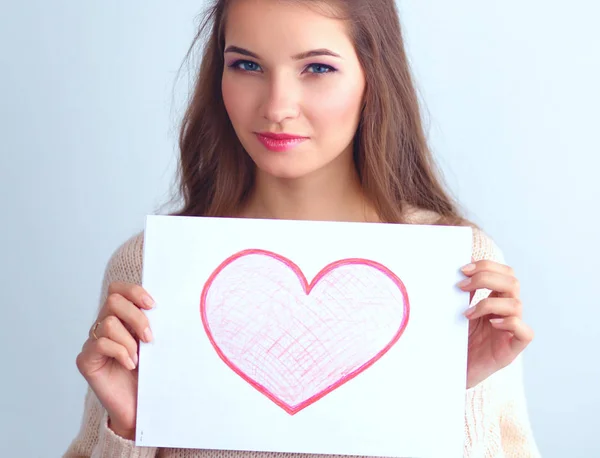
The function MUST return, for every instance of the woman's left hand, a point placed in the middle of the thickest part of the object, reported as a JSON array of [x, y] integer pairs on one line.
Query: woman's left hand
[[497, 334]]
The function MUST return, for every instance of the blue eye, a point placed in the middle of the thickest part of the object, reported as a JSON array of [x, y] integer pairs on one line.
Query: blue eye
[[321, 68], [249, 65]]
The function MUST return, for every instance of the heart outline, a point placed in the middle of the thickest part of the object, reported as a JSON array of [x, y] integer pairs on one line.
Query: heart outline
[[307, 287]]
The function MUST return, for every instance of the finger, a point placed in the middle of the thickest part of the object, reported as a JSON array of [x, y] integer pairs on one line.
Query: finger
[[503, 285], [499, 306], [128, 313], [522, 334], [132, 292], [96, 350], [113, 328], [489, 266]]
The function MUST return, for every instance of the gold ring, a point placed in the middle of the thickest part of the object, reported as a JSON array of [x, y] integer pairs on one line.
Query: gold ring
[[94, 330]]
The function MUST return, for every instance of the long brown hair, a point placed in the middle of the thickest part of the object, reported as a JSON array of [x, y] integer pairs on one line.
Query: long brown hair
[[396, 168]]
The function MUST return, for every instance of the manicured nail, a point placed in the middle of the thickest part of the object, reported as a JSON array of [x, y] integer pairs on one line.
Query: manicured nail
[[464, 283], [470, 310], [130, 364], [148, 301], [468, 268], [496, 320], [147, 335]]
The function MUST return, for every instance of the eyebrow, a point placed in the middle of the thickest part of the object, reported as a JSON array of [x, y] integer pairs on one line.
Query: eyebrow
[[302, 55]]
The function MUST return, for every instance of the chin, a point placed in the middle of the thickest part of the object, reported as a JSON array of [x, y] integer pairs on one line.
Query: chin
[[283, 165], [283, 173]]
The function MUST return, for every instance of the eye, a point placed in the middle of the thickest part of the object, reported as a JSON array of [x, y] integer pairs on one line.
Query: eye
[[249, 66], [320, 69], [245, 65]]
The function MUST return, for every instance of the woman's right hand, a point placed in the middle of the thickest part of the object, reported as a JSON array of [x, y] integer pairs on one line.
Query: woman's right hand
[[109, 357]]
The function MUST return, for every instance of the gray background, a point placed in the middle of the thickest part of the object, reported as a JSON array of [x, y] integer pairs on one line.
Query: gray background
[[89, 115]]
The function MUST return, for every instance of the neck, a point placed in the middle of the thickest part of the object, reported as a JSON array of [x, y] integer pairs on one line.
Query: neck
[[325, 195]]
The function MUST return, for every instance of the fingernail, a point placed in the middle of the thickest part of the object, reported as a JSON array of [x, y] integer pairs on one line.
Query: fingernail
[[147, 335], [464, 283], [135, 359], [130, 364], [148, 301], [496, 320], [468, 268], [470, 310]]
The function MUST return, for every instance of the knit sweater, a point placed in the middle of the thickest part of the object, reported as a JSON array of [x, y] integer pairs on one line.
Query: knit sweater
[[496, 421]]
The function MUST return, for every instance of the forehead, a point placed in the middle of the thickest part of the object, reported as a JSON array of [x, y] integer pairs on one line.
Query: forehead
[[269, 25]]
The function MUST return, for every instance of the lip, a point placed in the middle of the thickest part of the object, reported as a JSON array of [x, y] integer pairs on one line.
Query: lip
[[279, 142], [275, 136]]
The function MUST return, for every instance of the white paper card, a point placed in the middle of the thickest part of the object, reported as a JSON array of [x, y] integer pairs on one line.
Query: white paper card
[[305, 337]]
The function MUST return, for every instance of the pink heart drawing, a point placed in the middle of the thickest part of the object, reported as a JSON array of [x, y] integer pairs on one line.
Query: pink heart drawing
[[296, 341]]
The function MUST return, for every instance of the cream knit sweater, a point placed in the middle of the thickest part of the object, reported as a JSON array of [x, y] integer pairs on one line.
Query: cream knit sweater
[[496, 419]]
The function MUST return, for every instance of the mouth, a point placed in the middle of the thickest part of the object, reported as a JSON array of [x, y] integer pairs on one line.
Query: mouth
[[279, 142]]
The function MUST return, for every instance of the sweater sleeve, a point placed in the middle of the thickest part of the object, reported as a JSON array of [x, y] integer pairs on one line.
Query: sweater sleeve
[[95, 439], [496, 419]]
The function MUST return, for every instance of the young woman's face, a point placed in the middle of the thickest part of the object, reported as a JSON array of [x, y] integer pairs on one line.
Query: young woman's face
[[269, 86]]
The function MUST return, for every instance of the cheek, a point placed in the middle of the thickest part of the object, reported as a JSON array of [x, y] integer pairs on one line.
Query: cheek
[[236, 100], [337, 115]]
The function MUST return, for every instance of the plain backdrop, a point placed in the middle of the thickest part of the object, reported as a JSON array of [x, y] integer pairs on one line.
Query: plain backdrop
[[88, 120]]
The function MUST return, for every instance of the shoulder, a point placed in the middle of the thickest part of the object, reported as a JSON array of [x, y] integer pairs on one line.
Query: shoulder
[[484, 247], [417, 215], [126, 261]]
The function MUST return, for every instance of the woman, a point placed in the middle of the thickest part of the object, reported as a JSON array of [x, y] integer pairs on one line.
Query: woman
[[306, 110]]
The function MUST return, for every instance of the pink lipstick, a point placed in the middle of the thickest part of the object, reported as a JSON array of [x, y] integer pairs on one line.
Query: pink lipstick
[[279, 142]]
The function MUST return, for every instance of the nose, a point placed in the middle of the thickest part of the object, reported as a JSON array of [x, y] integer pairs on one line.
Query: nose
[[281, 100]]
